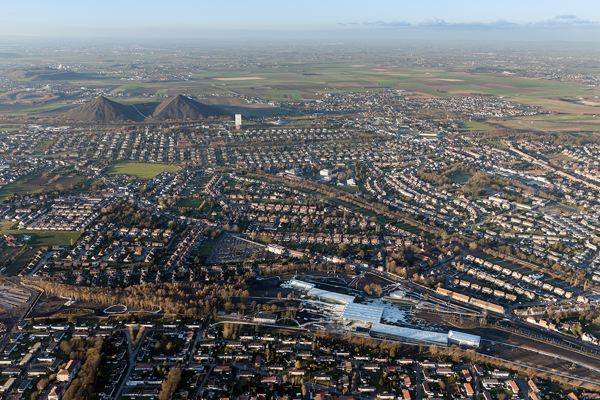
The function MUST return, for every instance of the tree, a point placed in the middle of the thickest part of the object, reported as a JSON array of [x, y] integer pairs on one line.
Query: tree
[[82, 386], [169, 385], [230, 331], [42, 383], [66, 347]]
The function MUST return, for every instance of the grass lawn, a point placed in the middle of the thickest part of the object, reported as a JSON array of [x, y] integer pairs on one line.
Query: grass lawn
[[188, 203], [207, 247], [47, 238], [5, 225], [14, 259], [478, 126], [39, 182], [142, 170], [74, 313], [7, 191], [9, 129], [459, 177], [51, 106]]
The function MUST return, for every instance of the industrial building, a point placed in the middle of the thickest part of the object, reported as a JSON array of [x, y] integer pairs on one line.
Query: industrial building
[[265, 318], [275, 249], [418, 335], [370, 316], [330, 297], [362, 313], [463, 339], [300, 285], [408, 334], [320, 294]]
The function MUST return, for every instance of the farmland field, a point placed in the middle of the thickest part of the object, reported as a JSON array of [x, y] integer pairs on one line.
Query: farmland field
[[307, 80], [554, 122]]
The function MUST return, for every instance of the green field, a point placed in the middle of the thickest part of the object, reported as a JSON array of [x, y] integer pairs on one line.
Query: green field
[[46, 238], [291, 78], [46, 107], [188, 203], [306, 80], [477, 126], [10, 129], [459, 177], [554, 122], [5, 225], [142, 170], [37, 183], [74, 313]]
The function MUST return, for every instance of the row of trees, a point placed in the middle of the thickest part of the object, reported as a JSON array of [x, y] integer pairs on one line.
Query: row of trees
[[88, 352], [185, 299], [170, 384], [83, 386]]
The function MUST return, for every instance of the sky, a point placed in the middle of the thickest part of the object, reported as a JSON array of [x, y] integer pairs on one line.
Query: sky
[[174, 18]]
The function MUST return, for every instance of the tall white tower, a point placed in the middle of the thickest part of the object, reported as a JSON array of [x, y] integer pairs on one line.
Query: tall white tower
[[238, 121]]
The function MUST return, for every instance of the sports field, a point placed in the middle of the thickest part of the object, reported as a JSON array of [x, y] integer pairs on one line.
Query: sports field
[[46, 238], [142, 170]]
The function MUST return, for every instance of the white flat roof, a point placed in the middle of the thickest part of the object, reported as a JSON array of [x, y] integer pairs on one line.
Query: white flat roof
[[363, 313], [331, 297], [296, 283], [464, 338], [418, 335]]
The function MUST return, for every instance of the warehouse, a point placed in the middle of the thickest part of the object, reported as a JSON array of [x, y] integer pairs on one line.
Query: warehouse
[[408, 334]]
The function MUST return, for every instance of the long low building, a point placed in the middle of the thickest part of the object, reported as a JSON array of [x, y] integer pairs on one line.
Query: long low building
[[464, 339], [369, 315], [330, 297], [486, 305], [323, 295], [408, 334], [300, 285]]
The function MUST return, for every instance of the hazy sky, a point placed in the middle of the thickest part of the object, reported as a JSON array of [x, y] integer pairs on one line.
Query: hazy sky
[[173, 17]]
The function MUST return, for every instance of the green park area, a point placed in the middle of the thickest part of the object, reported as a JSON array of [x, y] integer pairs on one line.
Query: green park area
[[142, 170], [41, 182], [46, 238], [188, 203]]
